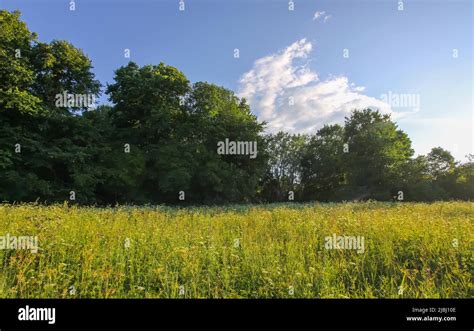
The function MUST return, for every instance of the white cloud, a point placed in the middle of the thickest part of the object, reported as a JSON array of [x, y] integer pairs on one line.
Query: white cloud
[[318, 14], [275, 81], [327, 17]]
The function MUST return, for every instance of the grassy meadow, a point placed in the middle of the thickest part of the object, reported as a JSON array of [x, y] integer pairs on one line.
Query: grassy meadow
[[412, 250]]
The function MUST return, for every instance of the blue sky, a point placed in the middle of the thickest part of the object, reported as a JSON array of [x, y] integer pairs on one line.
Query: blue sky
[[292, 55]]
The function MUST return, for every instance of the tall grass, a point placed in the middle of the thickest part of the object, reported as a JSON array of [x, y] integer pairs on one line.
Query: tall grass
[[276, 251]]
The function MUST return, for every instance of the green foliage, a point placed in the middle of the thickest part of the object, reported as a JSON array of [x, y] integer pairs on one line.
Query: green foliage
[[283, 172], [60, 67], [175, 128], [463, 188], [322, 164], [368, 158], [16, 70], [378, 151]]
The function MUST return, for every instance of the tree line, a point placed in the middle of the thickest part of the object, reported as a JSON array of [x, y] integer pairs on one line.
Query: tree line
[[157, 140]]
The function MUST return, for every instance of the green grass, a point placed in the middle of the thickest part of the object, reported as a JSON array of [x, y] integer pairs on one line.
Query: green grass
[[240, 252]]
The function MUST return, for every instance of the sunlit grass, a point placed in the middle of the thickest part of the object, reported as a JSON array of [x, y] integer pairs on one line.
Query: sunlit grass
[[240, 252]]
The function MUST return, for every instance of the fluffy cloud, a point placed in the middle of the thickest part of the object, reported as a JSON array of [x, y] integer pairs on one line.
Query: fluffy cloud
[[322, 14], [291, 97], [318, 14]]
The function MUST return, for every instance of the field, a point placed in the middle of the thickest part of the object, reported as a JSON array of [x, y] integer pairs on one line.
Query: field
[[275, 251]]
